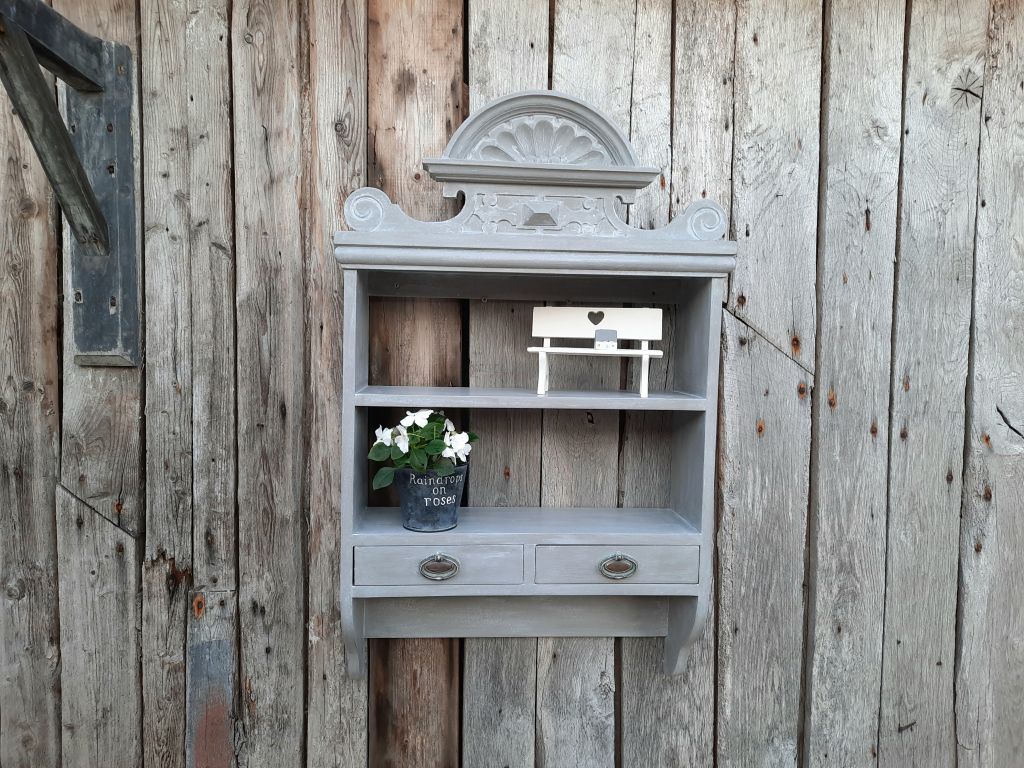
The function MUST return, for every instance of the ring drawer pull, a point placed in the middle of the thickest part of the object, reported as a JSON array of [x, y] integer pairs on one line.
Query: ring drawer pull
[[439, 567], [618, 566]]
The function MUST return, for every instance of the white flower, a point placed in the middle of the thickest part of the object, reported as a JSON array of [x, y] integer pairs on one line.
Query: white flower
[[448, 426], [419, 418], [383, 436], [458, 446], [402, 439]]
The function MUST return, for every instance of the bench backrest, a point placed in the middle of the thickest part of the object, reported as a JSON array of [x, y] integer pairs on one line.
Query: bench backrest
[[632, 323]]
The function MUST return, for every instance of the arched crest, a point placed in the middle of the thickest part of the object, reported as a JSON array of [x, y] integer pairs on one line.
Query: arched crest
[[541, 164]]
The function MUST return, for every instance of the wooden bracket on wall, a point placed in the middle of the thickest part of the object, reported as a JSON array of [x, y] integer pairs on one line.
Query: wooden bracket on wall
[[90, 166]]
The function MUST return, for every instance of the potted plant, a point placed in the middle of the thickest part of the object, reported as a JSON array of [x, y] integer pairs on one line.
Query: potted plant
[[426, 456]]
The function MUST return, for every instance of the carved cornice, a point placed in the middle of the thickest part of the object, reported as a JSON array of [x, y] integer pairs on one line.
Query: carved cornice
[[538, 170]]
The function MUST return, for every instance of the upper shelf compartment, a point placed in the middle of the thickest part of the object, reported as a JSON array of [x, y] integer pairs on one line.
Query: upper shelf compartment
[[543, 175]]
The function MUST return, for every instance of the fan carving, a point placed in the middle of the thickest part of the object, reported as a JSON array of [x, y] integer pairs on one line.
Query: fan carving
[[543, 139]]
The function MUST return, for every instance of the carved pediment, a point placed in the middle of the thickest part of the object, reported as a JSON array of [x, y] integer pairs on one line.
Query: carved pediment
[[541, 164]]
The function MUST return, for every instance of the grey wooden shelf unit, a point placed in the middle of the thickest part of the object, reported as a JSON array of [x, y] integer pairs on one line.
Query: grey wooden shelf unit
[[542, 175]]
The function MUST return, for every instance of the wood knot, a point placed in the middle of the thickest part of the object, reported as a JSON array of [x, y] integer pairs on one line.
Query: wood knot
[[199, 605], [15, 590], [832, 399], [760, 427], [967, 89], [795, 344]]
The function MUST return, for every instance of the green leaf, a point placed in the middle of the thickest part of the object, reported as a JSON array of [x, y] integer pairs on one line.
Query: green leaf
[[383, 478], [396, 453], [444, 468], [473, 437], [418, 459], [379, 452], [436, 447]]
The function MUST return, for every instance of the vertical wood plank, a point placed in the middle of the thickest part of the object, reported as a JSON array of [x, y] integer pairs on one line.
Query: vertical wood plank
[[508, 52], [190, 536], [851, 402], [666, 720], [766, 420], [650, 109], [775, 166], [267, 82], [990, 667], [414, 104], [336, 705], [576, 676], [101, 700], [29, 440], [167, 565], [945, 60], [101, 482], [212, 269], [768, 353]]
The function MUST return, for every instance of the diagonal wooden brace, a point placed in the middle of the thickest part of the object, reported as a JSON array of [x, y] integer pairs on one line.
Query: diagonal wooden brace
[[33, 100]]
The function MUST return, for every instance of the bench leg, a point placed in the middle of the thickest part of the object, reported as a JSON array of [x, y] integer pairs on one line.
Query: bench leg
[[645, 364], [542, 373]]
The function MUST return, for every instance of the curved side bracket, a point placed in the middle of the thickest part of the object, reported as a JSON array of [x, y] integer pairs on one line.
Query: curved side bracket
[[686, 619]]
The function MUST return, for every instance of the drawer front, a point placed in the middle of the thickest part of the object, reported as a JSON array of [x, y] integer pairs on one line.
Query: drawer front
[[578, 564], [401, 565]]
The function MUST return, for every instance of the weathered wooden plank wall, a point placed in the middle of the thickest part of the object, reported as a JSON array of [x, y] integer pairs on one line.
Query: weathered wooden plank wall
[[168, 534]]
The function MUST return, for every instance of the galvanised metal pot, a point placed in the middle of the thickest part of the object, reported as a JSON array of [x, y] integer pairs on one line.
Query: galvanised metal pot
[[430, 503]]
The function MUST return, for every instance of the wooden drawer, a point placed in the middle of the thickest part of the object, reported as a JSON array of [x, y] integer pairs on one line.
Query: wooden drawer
[[578, 564], [400, 565]]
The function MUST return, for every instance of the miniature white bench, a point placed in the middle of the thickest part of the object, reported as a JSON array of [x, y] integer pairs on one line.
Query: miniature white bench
[[606, 326]]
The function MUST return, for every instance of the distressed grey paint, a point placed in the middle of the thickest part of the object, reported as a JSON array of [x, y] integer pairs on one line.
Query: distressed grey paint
[[543, 175]]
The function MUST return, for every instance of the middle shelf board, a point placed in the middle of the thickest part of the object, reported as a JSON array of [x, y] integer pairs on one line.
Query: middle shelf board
[[483, 397], [378, 526]]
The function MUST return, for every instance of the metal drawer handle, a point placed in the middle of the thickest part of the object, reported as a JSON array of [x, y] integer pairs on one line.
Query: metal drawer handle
[[618, 566], [439, 567]]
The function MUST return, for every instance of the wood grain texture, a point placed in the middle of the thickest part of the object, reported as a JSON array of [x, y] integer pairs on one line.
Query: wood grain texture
[[990, 667], [945, 52], [101, 700], [851, 401], [775, 171], [768, 353], [166, 570], [701, 154], [336, 705], [267, 82], [101, 407], [576, 676], [414, 103], [29, 442], [212, 261], [211, 670], [765, 430]]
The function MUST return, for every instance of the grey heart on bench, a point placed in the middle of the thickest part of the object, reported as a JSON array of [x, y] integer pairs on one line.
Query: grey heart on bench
[[595, 317]]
